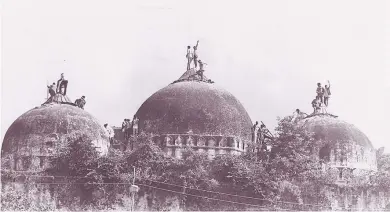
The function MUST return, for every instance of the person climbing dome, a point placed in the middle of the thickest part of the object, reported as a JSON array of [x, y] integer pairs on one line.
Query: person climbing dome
[[135, 125], [110, 133], [327, 94], [320, 92], [51, 92], [298, 115], [265, 133], [201, 70], [80, 102]]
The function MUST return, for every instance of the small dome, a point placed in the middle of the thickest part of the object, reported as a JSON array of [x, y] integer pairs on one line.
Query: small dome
[[32, 132], [333, 129], [195, 107]]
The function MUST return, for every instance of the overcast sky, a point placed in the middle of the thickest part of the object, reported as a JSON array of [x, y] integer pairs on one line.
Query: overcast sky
[[269, 54]]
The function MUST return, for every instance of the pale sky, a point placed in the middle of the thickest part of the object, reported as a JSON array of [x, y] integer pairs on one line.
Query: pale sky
[[269, 54]]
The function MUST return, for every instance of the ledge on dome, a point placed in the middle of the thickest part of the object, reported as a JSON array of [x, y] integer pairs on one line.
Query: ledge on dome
[[59, 98], [193, 75], [321, 114]]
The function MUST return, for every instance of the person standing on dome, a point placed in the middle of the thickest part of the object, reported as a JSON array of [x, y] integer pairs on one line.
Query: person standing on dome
[[189, 57], [128, 128], [196, 55], [110, 133], [124, 123], [255, 128], [327, 94], [320, 92], [62, 84], [135, 125]]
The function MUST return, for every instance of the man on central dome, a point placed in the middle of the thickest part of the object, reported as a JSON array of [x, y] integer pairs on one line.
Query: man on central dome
[[195, 112]]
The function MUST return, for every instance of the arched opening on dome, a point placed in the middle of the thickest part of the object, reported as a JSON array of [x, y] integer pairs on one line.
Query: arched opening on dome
[[325, 153]]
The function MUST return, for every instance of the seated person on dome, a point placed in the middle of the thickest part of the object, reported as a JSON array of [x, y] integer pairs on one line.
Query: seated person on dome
[[320, 92], [316, 104], [52, 92], [62, 84], [327, 94], [80, 102]]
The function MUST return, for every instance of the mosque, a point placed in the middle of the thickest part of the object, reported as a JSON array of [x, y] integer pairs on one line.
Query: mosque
[[192, 111]]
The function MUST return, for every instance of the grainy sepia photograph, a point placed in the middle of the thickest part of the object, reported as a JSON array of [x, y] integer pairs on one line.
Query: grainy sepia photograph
[[195, 105]]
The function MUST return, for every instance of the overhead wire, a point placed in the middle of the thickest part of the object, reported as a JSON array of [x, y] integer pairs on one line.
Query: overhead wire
[[209, 198], [181, 186]]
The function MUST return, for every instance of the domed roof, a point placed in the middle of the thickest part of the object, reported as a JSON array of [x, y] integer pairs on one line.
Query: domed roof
[[52, 123], [331, 129], [197, 107]]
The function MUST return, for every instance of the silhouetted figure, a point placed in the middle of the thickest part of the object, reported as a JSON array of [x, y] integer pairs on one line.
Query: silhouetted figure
[[320, 92], [327, 94], [80, 102]]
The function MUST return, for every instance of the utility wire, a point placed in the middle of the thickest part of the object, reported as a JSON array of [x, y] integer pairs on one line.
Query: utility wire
[[253, 205], [180, 186]]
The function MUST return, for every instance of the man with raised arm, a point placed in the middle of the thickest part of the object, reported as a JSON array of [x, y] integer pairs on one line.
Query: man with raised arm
[[196, 55]]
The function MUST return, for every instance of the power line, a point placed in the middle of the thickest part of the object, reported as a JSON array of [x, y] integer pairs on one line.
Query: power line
[[253, 205], [180, 186]]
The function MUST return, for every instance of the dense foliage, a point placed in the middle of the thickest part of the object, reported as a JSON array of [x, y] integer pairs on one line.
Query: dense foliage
[[287, 175]]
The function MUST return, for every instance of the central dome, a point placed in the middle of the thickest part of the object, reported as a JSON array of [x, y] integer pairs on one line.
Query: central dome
[[194, 107]]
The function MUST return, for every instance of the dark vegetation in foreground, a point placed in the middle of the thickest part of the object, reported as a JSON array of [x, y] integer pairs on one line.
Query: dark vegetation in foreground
[[288, 176]]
